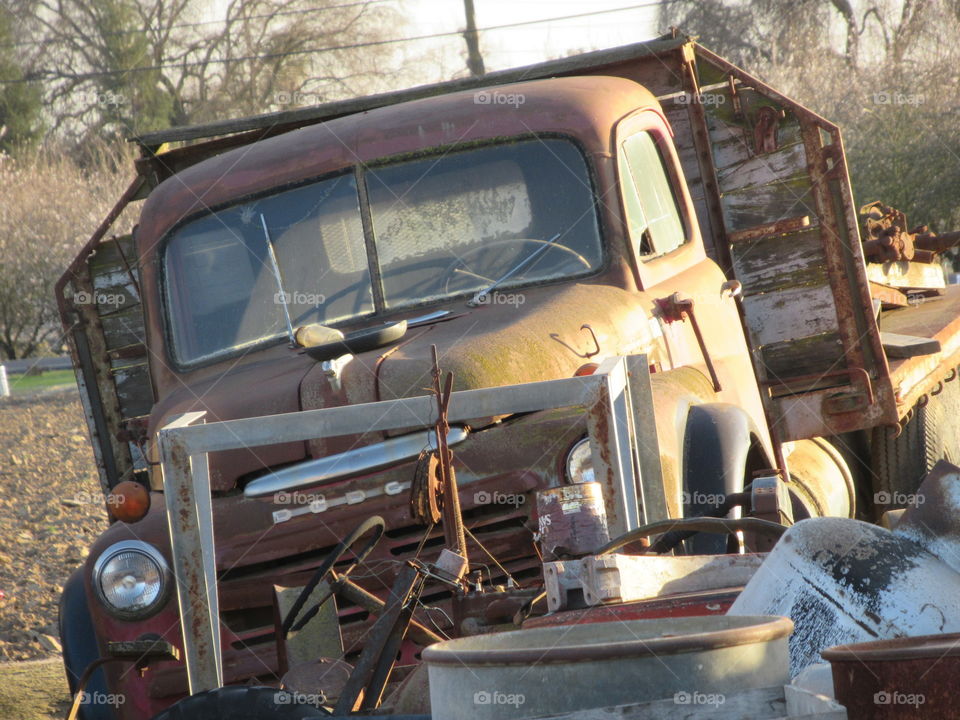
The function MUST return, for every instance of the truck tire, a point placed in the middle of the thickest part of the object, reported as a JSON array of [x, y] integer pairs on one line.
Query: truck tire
[[240, 702], [900, 463]]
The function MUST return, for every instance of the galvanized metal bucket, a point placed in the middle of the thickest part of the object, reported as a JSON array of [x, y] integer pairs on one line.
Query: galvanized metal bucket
[[555, 669]]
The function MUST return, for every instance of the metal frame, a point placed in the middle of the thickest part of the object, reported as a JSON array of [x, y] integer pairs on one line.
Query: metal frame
[[617, 400]]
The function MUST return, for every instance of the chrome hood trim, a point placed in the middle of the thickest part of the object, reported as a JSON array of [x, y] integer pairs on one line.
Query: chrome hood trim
[[351, 462]]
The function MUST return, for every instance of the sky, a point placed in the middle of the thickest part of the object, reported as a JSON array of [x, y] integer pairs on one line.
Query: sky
[[531, 43]]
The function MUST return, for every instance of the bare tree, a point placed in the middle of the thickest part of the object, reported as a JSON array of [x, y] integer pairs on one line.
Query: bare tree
[[48, 205], [120, 67]]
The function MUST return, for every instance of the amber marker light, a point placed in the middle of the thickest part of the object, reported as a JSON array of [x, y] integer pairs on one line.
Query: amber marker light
[[128, 501]]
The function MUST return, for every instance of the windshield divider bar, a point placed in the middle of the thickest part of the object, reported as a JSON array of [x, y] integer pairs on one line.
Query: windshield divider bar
[[373, 260]]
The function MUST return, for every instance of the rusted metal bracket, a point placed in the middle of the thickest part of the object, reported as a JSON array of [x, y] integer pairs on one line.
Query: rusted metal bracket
[[769, 500], [596, 343], [735, 98], [765, 131], [677, 308]]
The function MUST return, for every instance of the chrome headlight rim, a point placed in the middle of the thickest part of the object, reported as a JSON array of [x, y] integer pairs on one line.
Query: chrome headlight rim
[[155, 556], [567, 471]]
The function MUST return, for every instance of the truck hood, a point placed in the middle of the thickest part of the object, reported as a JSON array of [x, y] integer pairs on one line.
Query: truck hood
[[519, 337]]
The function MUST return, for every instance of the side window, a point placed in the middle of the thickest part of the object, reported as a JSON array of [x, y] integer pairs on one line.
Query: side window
[[654, 221]]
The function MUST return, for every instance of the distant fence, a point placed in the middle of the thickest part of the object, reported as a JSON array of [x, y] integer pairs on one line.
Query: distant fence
[[18, 367]]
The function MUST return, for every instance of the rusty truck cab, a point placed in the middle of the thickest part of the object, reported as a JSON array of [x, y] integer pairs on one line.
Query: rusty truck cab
[[525, 231]]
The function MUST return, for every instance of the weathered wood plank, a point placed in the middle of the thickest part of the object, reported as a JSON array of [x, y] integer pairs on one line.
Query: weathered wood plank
[[679, 120], [733, 143], [896, 345], [115, 286], [107, 254], [784, 164], [124, 328], [769, 203], [890, 297], [134, 390], [790, 314], [780, 227], [661, 75], [113, 292], [803, 356], [779, 262]]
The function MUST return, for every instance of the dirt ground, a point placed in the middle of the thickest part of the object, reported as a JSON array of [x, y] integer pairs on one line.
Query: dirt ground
[[50, 512], [33, 690]]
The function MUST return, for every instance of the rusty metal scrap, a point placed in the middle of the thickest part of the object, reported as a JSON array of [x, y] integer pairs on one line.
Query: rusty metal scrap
[[888, 239], [934, 243], [907, 677], [426, 490], [765, 130], [452, 517]]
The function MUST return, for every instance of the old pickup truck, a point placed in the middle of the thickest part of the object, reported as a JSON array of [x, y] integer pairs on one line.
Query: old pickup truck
[[648, 200]]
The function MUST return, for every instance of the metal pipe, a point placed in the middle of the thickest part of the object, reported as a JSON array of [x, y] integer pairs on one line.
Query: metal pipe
[[701, 524]]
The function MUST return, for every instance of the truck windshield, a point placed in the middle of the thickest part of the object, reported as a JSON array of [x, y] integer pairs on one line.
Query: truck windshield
[[440, 227]]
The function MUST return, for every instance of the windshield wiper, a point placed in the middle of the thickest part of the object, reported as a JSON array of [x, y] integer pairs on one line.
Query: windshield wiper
[[475, 300], [276, 274]]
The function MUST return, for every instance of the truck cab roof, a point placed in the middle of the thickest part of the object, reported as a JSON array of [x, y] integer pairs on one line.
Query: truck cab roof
[[584, 108]]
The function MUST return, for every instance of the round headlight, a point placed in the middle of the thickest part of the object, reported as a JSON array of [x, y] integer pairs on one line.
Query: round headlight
[[580, 463], [131, 579]]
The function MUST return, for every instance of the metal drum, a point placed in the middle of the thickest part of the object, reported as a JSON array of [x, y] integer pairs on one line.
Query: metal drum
[[911, 677], [844, 581], [547, 670]]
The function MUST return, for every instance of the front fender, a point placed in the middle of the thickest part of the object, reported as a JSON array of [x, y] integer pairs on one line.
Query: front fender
[[721, 446], [79, 642]]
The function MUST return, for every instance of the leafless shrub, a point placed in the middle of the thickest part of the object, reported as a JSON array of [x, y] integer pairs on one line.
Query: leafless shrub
[[49, 205]]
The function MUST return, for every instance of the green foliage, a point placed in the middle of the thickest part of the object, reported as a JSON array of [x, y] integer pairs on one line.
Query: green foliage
[[130, 102], [20, 102]]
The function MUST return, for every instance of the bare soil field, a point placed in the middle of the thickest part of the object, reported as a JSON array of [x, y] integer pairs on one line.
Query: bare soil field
[[50, 512]]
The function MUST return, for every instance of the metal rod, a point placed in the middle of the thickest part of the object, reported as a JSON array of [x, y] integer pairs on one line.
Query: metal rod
[[703, 350], [349, 590], [452, 519], [378, 639]]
